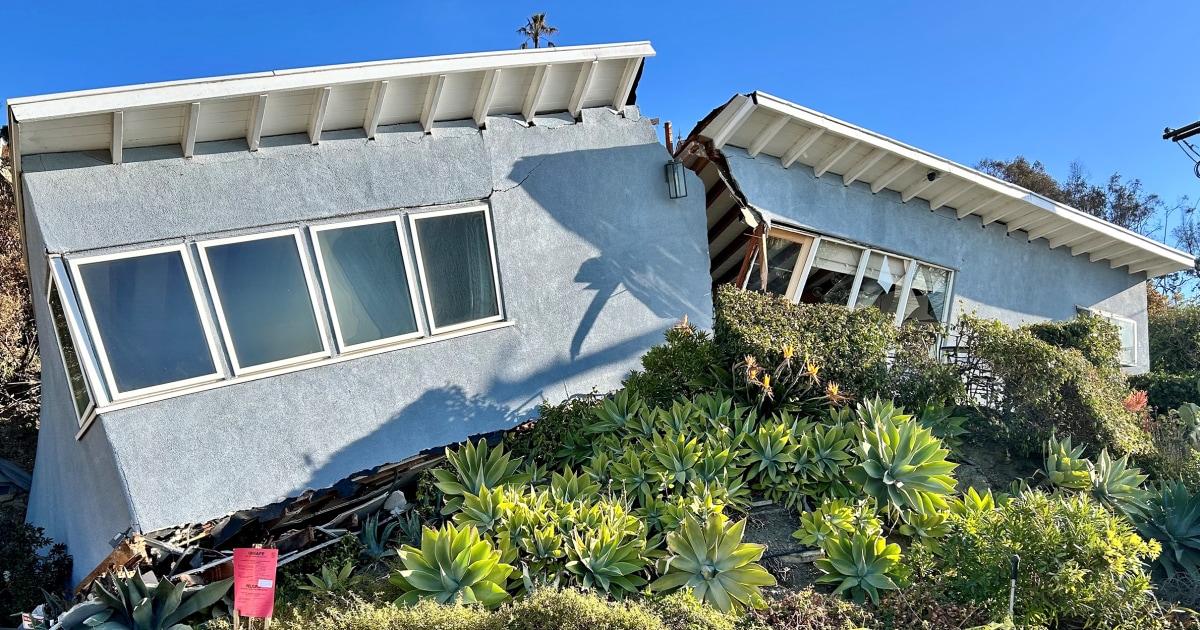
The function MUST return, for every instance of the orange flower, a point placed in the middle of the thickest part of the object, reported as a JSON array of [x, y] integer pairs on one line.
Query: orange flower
[[1136, 402], [684, 324], [811, 370], [834, 395], [751, 361], [788, 351], [752, 374], [767, 382]]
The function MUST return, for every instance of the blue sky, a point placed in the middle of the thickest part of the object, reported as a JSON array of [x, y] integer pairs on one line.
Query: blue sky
[[1055, 81]]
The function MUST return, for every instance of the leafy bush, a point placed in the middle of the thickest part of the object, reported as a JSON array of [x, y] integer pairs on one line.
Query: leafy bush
[[293, 576], [1080, 564], [1095, 338], [810, 610], [674, 369], [1168, 391], [850, 346], [29, 563], [1175, 340], [1037, 388], [558, 434]]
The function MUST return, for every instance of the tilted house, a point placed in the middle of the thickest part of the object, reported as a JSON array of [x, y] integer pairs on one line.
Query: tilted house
[[816, 209], [252, 285]]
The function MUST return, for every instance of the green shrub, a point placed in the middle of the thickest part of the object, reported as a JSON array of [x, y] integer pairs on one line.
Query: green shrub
[[916, 378], [674, 369], [849, 346], [1168, 391], [1175, 339], [558, 432], [29, 563], [1095, 338], [1080, 564], [1036, 389], [681, 611]]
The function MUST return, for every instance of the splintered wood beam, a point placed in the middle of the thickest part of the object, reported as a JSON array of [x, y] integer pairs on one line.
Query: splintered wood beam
[[796, 150], [487, 91], [117, 147], [374, 108], [734, 123], [890, 175], [626, 85], [541, 75], [838, 153], [917, 188], [582, 85], [862, 166], [947, 196], [190, 121], [254, 126], [978, 206], [317, 120], [432, 95], [766, 135]]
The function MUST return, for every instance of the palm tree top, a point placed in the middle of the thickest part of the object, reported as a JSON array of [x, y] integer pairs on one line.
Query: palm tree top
[[535, 28]]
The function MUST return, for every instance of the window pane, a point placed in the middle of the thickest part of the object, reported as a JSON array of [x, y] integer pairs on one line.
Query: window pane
[[456, 259], [781, 261], [927, 299], [365, 274], [264, 298], [882, 282], [70, 360], [1128, 334], [146, 316], [832, 274]]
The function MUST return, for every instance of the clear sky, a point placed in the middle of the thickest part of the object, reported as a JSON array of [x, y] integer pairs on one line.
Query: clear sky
[[1055, 81]]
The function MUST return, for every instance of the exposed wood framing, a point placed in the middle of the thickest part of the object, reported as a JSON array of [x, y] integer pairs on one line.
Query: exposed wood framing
[[978, 206], [766, 135], [891, 175], [1070, 238], [582, 85], [916, 188], [1027, 222], [536, 87], [803, 144], [1048, 229], [751, 250], [948, 195], [117, 147], [1087, 245], [729, 251], [838, 153], [432, 95], [626, 85], [1130, 259], [727, 220], [190, 124], [728, 130], [374, 108], [863, 165], [317, 120], [254, 126], [1112, 251], [1002, 211], [487, 91]]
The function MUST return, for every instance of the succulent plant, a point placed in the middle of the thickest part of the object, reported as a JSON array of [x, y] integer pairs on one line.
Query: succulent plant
[[832, 518], [1118, 486], [475, 467], [635, 477], [1066, 466], [712, 562], [971, 503], [926, 522], [901, 464], [614, 413], [1174, 521], [675, 456], [1189, 417], [568, 486], [452, 565], [376, 544], [859, 564], [483, 510], [131, 605], [772, 453], [607, 560], [332, 581], [943, 424]]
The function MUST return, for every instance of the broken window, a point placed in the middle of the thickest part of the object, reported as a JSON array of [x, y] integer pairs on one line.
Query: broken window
[[365, 272], [832, 273], [457, 267], [786, 253], [882, 282], [927, 297], [264, 300], [142, 309], [70, 358]]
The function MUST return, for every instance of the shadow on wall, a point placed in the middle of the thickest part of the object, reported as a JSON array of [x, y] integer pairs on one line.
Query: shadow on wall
[[651, 247]]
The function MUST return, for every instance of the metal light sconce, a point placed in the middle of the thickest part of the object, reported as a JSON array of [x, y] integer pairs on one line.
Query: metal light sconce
[[676, 178]]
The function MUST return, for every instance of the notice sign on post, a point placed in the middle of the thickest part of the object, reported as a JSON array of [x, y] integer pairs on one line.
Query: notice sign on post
[[254, 582]]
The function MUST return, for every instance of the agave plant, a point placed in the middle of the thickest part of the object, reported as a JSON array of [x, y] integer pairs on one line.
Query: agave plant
[[1174, 521], [832, 518], [332, 581], [131, 605], [376, 544], [1189, 417], [859, 564], [902, 464], [1066, 466], [484, 510], [925, 523], [452, 565], [568, 486], [636, 478], [712, 562], [877, 410], [772, 453], [1119, 487], [971, 503], [614, 413], [475, 467], [607, 560], [675, 457], [943, 424]]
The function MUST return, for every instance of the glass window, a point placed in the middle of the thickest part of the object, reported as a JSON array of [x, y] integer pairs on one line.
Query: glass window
[[1126, 328], [882, 283], [264, 299], [927, 297], [143, 311], [366, 282], [457, 269], [70, 359], [782, 256], [832, 274]]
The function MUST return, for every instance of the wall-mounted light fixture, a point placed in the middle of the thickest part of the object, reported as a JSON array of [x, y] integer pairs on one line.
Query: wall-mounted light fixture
[[676, 178]]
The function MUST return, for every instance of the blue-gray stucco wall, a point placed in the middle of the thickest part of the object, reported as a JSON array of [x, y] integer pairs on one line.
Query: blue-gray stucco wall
[[595, 263], [997, 275]]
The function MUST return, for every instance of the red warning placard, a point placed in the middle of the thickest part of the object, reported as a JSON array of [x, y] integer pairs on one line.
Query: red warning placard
[[254, 581]]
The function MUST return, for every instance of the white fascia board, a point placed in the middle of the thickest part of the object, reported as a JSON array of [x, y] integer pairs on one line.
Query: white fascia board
[[944, 167], [52, 106]]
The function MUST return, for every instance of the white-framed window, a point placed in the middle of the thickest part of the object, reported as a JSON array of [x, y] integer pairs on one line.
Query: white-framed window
[[817, 269], [265, 299], [1126, 328], [367, 278], [142, 309], [456, 261], [72, 345]]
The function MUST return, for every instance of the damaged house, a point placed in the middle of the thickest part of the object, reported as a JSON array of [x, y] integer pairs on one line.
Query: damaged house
[[249, 286], [809, 207]]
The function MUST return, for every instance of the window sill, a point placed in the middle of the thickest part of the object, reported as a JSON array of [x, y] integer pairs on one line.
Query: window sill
[[400, 345]]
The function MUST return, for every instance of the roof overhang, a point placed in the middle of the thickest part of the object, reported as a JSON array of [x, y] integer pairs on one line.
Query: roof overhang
[[767, 125]]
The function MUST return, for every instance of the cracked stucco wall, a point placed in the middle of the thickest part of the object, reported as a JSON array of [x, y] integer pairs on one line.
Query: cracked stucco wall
[[997, 275], [595, 263]]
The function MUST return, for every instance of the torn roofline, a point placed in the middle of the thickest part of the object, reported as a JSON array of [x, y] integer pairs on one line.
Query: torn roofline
[[762, 123]]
